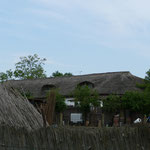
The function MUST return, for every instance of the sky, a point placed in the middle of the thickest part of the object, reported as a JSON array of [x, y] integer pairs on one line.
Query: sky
[[81, 37]]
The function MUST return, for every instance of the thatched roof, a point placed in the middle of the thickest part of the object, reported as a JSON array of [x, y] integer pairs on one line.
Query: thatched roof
[[104, 83], [16, 111]]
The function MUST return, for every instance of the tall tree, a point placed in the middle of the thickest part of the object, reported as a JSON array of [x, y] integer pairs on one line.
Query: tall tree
[[133, 101], [29, 67], [112, 103], [86, 98], [60, 105]]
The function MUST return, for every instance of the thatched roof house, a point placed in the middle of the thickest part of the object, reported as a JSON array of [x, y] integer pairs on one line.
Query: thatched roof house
[[105, 83], [17, 111]]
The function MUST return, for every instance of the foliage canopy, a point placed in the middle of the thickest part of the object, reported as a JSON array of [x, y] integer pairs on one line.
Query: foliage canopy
[[29, 67], [59, 74], [86, 97], [112, 103], [60, 103]]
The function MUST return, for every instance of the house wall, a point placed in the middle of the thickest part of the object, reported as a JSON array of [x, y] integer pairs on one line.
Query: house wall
[[93, 117]]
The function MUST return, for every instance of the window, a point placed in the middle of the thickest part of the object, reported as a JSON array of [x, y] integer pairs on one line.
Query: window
[[76, 117], [70, 102], [86, 83], [46, 88], [101, 104]]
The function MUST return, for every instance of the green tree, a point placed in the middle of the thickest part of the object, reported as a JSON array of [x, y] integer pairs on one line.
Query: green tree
[[112, 103], [133, 101], [29, 67], [85, 98], [68, 74], [59, 74], [143, 105], [3, 77], [146, 103], [60, 105], [137, 101], [147, 77]]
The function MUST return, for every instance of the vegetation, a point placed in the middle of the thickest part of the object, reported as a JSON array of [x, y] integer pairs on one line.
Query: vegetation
[[86, 98], [59, 74], [6, 76], [60, 106], [29, 67], [60, 103], [27, 94], [144, 105], [147, 77], [132, 100], [3, 77], [112, 103]]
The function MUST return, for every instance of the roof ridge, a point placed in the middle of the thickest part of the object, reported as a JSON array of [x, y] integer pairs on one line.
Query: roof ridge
[[117, 72]]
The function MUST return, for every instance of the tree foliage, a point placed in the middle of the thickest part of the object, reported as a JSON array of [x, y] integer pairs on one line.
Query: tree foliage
[[3, 77], [86, 97], [59, 74], [137, 101], [60, 103], [29, 67], [112, 103], [6, 76], [147, 77], [68, 74], [144, 107], [133, 101]]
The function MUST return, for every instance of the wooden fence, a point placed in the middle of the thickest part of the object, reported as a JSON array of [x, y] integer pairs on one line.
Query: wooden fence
[[75, 138]]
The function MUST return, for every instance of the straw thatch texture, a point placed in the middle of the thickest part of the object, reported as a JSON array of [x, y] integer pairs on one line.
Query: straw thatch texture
[[16, 111], [75, 138], [104, 83]]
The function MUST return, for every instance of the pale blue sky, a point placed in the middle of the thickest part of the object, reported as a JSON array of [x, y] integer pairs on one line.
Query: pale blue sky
[[91, 36]]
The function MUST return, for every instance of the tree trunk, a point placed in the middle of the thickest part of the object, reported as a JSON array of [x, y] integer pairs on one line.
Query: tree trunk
[[61, 118], [103, 119], [86, 122], [121, 117], [144, 119], [128, 117], [99, 123]]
